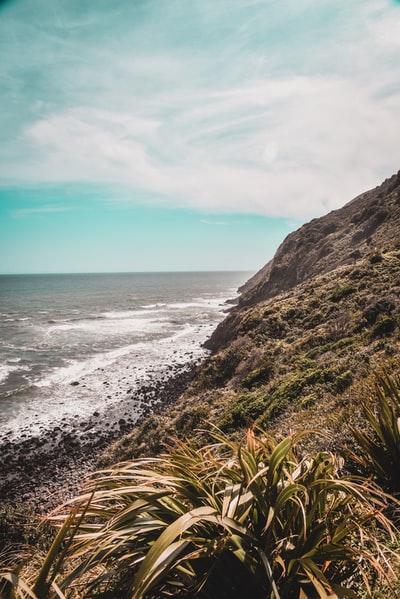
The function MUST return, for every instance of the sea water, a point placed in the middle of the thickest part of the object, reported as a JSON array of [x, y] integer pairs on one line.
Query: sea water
[[72, 344]]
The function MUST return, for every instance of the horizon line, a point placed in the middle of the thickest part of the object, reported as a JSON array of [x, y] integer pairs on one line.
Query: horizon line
[[121, 272]]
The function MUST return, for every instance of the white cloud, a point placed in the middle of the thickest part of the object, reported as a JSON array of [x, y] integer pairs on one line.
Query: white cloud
[[293, 128], [25, 212], [87, 145], [302, 145], [219, 223]]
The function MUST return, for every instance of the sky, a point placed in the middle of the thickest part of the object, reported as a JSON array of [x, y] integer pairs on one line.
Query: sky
[[162, 135]]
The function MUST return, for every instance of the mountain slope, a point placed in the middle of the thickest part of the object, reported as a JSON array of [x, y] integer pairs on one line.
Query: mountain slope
[[370, 222], [308, 332], [340, 237]]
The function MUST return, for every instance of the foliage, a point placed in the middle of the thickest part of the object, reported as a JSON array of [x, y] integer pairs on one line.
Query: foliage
[[218, 369], [19, 526], [384, 325], [381, 443], [259, 376], [309, 373], [342, 292], [242, 411], [38, 582], [225, 520]]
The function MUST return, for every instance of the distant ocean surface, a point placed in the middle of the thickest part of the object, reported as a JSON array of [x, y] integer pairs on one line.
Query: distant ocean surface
[[71, 344]]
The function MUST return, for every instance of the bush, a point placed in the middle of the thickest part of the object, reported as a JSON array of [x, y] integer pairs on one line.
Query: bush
[[384, 325], [219, 368], [19, 526], [342, 292], [230, 519], [380, 444], [259, 376], [242, 412]]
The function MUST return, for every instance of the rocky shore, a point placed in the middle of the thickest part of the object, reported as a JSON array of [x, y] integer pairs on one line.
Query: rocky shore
[[48, 469]]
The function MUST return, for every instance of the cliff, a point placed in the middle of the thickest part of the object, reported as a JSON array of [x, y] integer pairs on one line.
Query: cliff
[[370, 222], [309, 331]]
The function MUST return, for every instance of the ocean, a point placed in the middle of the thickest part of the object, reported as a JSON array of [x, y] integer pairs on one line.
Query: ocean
[[74, 344]]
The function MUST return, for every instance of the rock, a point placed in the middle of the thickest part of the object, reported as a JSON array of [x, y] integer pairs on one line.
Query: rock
[[370, 221]]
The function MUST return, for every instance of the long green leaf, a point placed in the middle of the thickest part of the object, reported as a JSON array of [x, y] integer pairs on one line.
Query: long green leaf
[[231, 500], [317, 578], [277, 457], [144, 576], [166, 559], [344, 593], [269, 572]]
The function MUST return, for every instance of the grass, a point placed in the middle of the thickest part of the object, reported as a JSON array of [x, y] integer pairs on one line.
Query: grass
[[281, 352]]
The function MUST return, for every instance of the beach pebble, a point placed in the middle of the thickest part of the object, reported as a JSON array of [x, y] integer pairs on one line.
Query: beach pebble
[[49, 468]]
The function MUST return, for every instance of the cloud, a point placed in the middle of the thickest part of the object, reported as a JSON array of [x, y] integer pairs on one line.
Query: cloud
[[26, 212], [219, 223], [88, 144], [233, 107], [301, 147]]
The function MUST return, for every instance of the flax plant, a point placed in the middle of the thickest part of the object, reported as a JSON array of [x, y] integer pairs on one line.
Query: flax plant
[[225, 520], [380, 445], [25, 574]]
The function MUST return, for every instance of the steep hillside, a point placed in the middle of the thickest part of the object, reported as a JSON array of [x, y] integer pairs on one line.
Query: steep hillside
[[372, 220], [311, 327], [369, 222]]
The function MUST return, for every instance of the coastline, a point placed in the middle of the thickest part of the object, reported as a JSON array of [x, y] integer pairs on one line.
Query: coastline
[[48, 469]]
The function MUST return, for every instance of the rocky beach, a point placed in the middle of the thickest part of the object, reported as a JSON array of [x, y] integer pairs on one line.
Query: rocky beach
[[46, 469], [85, 359]]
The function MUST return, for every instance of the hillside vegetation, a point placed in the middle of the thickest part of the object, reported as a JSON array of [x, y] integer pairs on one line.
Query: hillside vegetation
[[299, 348]]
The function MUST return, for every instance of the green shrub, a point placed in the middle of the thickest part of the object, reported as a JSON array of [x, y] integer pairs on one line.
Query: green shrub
[[225, 520], [218, 369], [259, 376], [292, 389], [242, 412], [342, 292], [380, 444], [333, 346], [229, 519], [384, 325], [342, 382], [190, 418]]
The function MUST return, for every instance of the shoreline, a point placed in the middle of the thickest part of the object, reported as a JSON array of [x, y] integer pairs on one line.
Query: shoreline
[[47, 469]]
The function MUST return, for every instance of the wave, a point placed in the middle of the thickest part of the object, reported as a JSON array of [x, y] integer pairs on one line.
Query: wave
[[8, 318], [108, 343], [76, 319], [5, 371], [193, 304], [79, 369], [66, 326], [152, 306], [123, 314], [111, 327], [103, 316]]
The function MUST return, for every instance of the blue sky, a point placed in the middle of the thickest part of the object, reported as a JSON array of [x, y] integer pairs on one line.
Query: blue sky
[[187, 134]]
